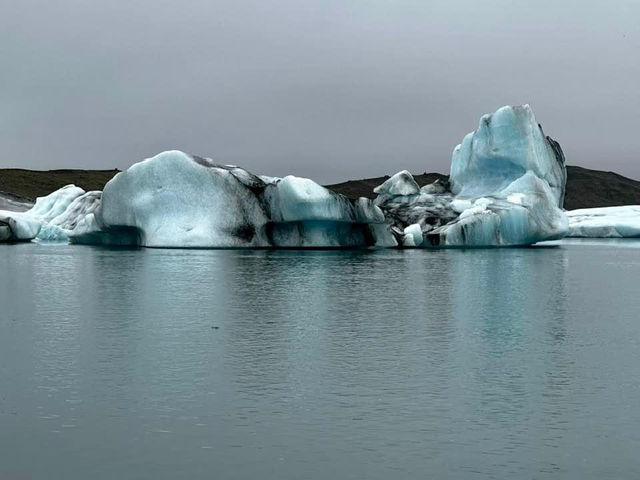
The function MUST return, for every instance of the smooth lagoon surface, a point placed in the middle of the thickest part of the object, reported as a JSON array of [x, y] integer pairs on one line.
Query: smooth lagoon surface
[[235, 364]]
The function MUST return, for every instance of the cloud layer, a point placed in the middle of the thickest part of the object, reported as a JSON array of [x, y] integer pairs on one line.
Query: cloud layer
[[328, 89]]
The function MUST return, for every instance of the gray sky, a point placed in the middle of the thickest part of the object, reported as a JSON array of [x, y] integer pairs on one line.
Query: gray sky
[[332, 90]]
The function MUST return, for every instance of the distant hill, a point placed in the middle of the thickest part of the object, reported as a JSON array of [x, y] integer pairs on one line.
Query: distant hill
[[585, 188], [364, 187], [37, 183], [594, 188]]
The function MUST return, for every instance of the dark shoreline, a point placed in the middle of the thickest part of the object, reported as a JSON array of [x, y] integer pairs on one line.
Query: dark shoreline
[[586, 188]]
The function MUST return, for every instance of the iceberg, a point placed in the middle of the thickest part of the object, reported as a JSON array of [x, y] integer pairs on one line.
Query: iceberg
[[179, 200], [506, 188], [64, 225], [400, 184], [605, 222], [412, 236], [52, 209], [10, 203]]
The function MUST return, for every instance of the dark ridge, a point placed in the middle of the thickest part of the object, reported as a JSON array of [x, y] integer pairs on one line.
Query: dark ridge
[[364, 188], [37, 183], [594, 188], [585, 188]]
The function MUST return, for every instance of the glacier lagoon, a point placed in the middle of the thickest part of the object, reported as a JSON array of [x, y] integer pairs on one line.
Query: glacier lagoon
[[506, 188], [473, 363]]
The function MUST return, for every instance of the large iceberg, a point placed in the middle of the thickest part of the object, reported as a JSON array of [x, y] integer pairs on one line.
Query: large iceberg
[[612, 222], [179, 200], [506, 188]]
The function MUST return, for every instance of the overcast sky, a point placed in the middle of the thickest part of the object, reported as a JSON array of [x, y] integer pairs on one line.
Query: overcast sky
[[332, 90]]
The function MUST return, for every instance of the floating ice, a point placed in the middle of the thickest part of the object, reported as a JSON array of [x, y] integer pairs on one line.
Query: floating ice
[[178, 200], [64, 225], [413, 236], [507, 145], [20, 226], [506, 188], [615, 222], [9, 204], [402, 183]]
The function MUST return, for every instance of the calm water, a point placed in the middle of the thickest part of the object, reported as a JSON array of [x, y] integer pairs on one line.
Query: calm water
[[170, 364]]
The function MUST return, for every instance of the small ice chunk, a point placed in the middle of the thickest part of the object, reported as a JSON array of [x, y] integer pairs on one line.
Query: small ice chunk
[[413, 236], [26, 225], [461, 204], [436, 187], [402, 183], [515, 198]]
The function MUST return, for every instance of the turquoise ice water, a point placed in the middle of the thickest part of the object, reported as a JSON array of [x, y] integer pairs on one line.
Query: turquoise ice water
[[167, 364]]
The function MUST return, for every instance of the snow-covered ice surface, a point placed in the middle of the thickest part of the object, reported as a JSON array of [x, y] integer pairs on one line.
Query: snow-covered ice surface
[[605, 222], [58, 209], [506, 188], [629, 242], [179, 200], [10, 203], [64, 225], [402, 183]]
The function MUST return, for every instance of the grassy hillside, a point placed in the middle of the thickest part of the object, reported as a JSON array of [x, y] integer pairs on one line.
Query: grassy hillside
[[36, 183]]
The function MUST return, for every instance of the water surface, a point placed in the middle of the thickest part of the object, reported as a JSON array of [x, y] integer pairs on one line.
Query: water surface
[[166, 364]]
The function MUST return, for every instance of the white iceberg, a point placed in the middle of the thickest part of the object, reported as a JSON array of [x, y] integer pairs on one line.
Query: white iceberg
[[506, 188], [21, 226], [402, 183], [65, 225], [10, 204], [179, 200], [413, 236], [605, 222], [507, 145]]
